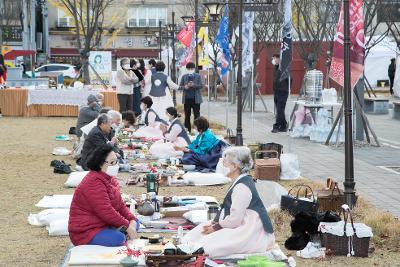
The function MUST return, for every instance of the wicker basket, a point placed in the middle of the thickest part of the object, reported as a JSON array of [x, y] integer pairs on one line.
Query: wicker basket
[[330, 199], [341, 245]]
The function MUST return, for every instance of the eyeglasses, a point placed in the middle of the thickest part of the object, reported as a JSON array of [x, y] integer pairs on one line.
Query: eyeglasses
[[112, 162]]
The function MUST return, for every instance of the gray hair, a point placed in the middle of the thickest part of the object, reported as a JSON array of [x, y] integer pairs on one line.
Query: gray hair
[[240, 156], [100, 96], [102, 119], [114, 114]]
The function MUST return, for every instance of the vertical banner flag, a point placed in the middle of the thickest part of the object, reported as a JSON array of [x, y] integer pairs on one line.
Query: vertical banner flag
[[222, 40], [185, 36], [202, 47], [356, 47], [286, 47], [189, 53], [248, 53]]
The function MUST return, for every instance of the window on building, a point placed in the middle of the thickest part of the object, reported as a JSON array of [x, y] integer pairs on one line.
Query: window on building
[[146, 16], [63, 20]]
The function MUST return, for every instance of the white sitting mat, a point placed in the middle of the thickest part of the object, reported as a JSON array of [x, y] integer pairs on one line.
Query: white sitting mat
[[88, 127], [196, 216], [337, 228], [270, 193], [55, 201], [96, 255], [204, 179], [46, 216], [58, 228], [75, 178]]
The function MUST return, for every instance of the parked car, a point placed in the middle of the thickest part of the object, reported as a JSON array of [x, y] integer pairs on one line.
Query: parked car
[[68, 70]]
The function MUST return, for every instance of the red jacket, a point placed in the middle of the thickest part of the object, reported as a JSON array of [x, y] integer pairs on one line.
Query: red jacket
[[96, 205]]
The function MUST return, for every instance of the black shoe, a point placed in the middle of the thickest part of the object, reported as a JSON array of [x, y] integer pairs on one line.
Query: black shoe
[[62, 168], [56, 162], [275, 130], [283, 130]]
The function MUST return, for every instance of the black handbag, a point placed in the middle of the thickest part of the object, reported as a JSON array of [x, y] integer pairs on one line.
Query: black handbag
[[294, 205]]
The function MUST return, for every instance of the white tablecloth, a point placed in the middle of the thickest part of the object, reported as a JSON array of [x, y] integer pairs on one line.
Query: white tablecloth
[[58, 97]]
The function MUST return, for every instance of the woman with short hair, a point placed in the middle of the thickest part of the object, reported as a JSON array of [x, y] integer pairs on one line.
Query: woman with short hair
[[98, 215], [242, 225], [125, 79], [128, 120], [174, 135], [151, 120]]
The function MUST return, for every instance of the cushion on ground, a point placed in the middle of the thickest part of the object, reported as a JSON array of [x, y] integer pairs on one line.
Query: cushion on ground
[[199, 179], [58, 227], [99, 255], [196, 216], [55, 201], [75, 178], [46, 216]]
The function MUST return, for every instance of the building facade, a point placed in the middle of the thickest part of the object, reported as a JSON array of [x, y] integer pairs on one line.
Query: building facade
[[130, 29]]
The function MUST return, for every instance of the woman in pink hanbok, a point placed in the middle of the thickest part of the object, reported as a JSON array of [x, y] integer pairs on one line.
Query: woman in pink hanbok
[[174, 135], [152, 121], [242, 225]]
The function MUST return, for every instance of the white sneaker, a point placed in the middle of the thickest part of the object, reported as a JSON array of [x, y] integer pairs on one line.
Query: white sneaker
[[310, 252]]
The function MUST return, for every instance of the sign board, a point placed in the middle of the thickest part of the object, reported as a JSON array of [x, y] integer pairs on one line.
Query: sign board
[[101, 61]]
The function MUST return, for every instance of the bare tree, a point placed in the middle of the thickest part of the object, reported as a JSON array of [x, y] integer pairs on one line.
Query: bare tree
[[389, 13], [89, 18], [373, 31], [314, 23]]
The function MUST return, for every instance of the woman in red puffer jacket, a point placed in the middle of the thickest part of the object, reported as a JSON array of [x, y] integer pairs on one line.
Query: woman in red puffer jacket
[[98, 213]]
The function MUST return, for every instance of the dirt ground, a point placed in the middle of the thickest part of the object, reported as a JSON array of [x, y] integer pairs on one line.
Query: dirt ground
[[26, 176]]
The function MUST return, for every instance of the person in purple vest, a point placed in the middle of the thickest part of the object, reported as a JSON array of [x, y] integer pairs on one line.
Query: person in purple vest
[[242, 225], [159, 92]]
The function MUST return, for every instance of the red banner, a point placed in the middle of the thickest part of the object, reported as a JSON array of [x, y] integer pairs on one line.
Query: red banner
[[186, 34], [356, 46]]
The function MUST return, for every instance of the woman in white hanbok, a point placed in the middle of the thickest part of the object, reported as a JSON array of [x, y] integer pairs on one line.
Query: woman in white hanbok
[[152, 121], [174, 135], [160, 90], [242, 226]]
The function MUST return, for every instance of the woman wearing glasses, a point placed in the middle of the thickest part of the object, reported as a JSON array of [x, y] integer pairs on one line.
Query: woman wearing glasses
[[98, 215]]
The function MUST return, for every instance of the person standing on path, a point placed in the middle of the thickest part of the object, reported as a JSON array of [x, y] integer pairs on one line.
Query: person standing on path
[[191, 85], [124, 81], [391, 73], [281, 93], [3, 70], [138, 69]]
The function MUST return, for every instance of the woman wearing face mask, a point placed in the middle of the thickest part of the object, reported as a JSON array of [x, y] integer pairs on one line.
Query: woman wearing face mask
[[98, 215], [124, 81], [206, 150], [174, 135], [151, 120], [242, 226]]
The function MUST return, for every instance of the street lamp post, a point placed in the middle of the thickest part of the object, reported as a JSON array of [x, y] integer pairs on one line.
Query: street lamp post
[[349, 183], [160, 38], [196, 38], [171, 29]]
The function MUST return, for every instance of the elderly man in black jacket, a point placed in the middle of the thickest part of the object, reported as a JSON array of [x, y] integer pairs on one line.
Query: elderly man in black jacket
[[99, 135], [281, 93], [88, 113]]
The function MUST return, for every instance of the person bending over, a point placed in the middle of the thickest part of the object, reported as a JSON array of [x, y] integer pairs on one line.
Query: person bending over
[[98, 215]]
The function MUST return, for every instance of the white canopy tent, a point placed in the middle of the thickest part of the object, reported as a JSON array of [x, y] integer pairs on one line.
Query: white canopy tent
[[378, 60]]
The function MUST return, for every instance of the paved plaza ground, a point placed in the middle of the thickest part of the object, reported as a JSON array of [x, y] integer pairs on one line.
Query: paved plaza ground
[[317, 161]]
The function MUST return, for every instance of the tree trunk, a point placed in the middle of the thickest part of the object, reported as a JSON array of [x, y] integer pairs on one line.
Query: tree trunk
[[85, 66]]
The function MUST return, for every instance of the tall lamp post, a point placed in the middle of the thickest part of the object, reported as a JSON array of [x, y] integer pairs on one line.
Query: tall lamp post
[[349, 183], [214, 9], [171, 30]]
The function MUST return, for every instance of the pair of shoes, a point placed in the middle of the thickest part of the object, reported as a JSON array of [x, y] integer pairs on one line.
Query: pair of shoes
[[61, 167], [56, 162], [311, 251]]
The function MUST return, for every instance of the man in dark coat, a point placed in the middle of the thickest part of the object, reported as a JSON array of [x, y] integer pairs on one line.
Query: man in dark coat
[[88, 113], [99, 135], [391, 73], [281, 93]]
